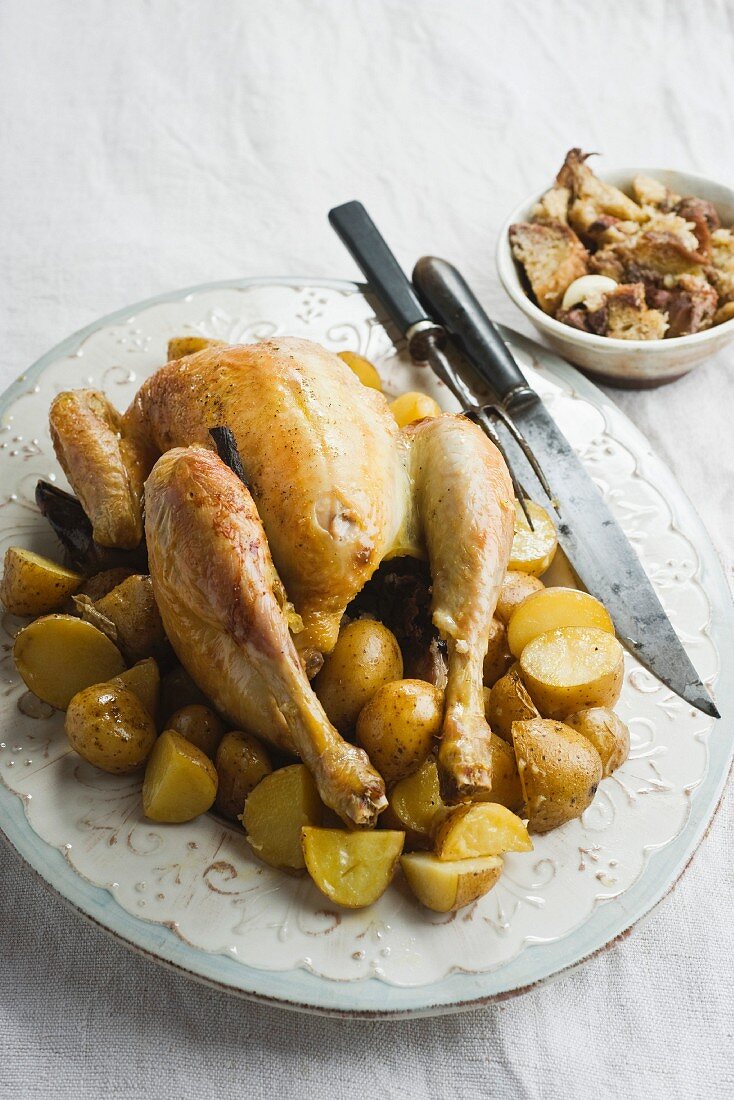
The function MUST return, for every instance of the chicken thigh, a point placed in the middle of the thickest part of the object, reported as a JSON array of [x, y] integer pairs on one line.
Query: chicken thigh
[[333, 488]]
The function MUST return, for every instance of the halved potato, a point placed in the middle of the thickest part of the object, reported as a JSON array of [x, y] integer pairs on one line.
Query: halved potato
[[180, 781], [178, 346], [551, 609], [559, 770], [143, 680], [275, 812], [445, 886], [607, 733], [59, 655], [481, 829], [516, 587], [32, 585], [532, 550], [509, 702], [366, 372], [416, 800], [498, 658], [352, 869], [571, 669]]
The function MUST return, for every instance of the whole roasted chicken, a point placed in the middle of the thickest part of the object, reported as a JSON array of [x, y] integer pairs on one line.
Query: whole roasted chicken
[[252, 580]]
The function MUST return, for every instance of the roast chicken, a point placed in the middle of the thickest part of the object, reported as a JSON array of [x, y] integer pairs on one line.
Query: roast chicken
[[252, 580]]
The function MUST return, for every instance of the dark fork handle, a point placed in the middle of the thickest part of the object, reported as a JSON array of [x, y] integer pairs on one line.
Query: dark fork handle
[[451, 301]]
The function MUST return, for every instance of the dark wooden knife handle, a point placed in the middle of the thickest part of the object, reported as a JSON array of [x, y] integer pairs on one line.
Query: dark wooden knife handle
[[383, 272], [450, 300]]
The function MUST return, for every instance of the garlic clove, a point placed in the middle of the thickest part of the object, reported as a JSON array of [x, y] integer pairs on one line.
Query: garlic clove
[[589, 290]]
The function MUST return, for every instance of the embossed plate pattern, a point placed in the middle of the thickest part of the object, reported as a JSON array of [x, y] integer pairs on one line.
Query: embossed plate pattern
[[192, 895]]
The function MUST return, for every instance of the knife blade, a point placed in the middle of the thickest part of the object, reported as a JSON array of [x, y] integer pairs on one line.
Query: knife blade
[[595, 544]]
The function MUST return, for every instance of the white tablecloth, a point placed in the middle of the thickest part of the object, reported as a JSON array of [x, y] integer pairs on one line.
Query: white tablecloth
[[151, 145]]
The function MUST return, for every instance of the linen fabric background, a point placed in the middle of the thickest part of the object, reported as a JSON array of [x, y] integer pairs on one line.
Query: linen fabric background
[[151, 145]]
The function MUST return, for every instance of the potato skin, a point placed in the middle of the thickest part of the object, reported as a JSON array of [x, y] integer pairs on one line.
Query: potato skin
[[516, 587], [98, 585], [560, 772], [498, 658], [131, 607], [199, 725], [179, 690], [143, 680], [365, 657], [509, 702], [241, 762], [607, 733], [109, 727], [32, 585], [398, 725]]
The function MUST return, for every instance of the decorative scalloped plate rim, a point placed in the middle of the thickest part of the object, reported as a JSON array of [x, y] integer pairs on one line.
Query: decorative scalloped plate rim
[[300, 990]]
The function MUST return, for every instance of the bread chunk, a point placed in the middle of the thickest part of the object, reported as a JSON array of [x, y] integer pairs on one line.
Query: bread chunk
[[552, 256]]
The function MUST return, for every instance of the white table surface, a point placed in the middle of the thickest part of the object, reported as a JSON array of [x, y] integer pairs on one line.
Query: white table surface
[[147, 146]]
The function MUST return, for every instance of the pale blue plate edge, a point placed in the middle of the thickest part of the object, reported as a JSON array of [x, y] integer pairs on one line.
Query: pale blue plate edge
[[301, 990]]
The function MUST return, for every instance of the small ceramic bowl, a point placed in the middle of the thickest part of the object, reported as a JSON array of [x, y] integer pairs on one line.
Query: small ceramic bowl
[[633, 363]]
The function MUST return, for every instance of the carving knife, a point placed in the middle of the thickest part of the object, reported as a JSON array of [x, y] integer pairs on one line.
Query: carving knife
[[595, 544]]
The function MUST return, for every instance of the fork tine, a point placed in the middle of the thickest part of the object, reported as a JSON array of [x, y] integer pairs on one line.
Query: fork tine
[[524, 446], [484, 419]]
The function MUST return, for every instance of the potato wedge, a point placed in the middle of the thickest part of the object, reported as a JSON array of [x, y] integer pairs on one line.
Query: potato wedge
[[571, 669], [480, 829], [516, 587], [607, 733], [199, 725], [365, 657], [143, 680], [559, 770], [551, 609], [110, 728], [416, 801], [99, 584], [398, 726], [132, 610], [352, 869], [275, 812], [443, 886], [32, 585], [179, 346], [509, 702], [59, 655], [366, 372], [506, 787], [498, 658], [241, 762], [180, 781], [532, 550]]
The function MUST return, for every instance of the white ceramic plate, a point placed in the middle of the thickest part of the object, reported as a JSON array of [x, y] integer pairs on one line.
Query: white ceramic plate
[[193, 897]]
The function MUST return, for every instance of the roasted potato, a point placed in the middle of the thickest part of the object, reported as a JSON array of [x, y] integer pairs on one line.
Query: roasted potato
[[498, 658], [413, 406], [179, 346], [179, 690], [559, 770], [509, 702], [132, 610], [398, 725], [32, 585], [275, 812], [571, 669], [506, 787], [415, 802], [199, 725], [606, 732], [241, 762], [109, 727], [443, 886], [180, 781], [532, 550], [365, 657], [143, 680], [59, 655], [352, 869], [98, 585], [516, 587], [551, 609], [366, 372], [481, 829]]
